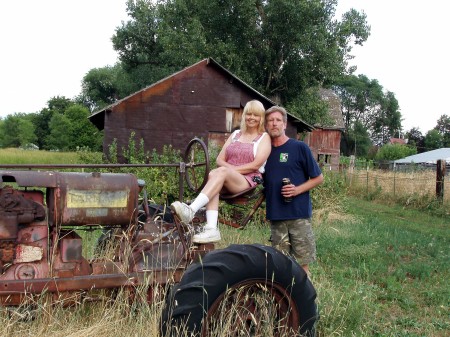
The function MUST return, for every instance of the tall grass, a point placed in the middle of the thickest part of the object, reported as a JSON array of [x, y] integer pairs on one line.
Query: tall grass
[[382, 270], [19, 156]]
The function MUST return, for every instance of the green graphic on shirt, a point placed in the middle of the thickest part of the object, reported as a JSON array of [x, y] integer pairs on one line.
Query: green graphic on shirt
[[284, 157]]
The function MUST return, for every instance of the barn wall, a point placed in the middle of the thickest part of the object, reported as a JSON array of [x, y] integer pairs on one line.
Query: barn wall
[[187, 105], [325, 145], [191, 103]]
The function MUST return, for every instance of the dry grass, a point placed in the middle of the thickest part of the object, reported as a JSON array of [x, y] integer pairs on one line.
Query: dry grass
[[391, 184]]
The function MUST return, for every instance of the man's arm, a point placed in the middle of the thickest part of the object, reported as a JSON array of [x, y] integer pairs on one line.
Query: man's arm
[[292, 190]]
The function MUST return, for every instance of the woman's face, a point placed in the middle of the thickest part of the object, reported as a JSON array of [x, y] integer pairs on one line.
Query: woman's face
[[252, 119]]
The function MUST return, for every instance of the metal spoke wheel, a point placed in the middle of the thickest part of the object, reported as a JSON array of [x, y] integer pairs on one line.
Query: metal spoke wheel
[[242, 290], [196, 158]]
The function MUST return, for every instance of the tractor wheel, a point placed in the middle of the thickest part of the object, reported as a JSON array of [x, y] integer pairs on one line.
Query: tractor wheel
[[243, 290], [196, 158]]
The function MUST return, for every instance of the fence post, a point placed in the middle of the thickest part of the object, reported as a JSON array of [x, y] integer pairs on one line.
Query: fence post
[[367, 182], [440, 176], [394, 181]]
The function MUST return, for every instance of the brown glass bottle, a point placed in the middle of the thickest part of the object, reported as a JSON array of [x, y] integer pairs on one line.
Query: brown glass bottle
[[284, 182]]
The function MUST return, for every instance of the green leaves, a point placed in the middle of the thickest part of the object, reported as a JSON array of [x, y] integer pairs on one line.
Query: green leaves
[[280, 47]]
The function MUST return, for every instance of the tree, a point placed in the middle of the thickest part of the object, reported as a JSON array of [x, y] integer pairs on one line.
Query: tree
[[72, 130], [103, 86], [83, 133], [280, 47], [416, 139], [60, 133], [312, 108], [443, 127], [433, 140], [365, 102], [41, 120], [357, 141], [17, 130]]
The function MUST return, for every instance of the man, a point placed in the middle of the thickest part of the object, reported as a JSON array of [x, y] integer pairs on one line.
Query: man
[[290, 221]]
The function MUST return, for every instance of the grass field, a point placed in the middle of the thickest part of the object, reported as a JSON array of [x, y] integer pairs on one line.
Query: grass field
[[381, 271], [18, 156]]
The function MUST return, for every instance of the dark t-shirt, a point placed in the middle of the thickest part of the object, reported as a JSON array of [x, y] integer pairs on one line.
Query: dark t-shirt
[[293, 160]]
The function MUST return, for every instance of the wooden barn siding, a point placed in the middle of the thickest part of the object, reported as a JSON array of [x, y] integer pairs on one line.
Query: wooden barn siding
[[187, 105], [323, 141]]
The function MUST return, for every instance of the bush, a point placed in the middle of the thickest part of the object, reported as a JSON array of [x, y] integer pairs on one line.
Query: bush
[[394, 152]]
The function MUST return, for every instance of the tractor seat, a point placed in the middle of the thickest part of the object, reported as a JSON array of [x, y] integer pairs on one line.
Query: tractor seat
[[242, 197]]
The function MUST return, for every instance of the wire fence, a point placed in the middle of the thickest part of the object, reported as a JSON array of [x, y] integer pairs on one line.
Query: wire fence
[[397, 184]]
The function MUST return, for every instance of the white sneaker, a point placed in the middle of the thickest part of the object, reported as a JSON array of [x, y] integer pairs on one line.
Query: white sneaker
[[208, 235], [184, 212]]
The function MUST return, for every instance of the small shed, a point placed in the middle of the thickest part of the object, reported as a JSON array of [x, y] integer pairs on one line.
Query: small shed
[[325, 141], [204, 100]]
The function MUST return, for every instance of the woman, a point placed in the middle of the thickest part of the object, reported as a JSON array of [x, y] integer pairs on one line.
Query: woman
[[241, 159]]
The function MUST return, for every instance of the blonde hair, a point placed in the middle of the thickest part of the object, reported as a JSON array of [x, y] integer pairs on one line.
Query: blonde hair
[[257, 108]]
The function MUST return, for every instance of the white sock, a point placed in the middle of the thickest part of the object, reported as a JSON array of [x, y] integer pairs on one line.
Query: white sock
[[201, 200], [211, 219]]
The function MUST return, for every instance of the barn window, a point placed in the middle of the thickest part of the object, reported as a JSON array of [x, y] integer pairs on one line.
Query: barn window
[[233, 119], [323, 158], [229, 120]]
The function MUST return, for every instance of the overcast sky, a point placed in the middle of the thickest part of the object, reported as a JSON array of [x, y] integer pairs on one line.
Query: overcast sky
[[49, 45], [408, 54]]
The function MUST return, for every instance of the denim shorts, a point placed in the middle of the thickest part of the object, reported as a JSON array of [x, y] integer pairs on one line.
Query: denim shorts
[[295, 238]]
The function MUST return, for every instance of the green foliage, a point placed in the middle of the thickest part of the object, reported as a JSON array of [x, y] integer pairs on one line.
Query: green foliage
[[60, 133], [72, 130], [358, 141], [16, 130], [416, 139], [162, 183], [433, 140], [394, 152], [365, 105], [331, 195], [443, 127], [280, 47], [103, 86], [311, 108]]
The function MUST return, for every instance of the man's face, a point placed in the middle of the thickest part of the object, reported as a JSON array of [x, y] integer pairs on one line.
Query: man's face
[[274, 124]]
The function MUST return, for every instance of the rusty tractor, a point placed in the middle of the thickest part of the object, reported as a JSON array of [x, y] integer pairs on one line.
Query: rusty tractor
[[41, 252]]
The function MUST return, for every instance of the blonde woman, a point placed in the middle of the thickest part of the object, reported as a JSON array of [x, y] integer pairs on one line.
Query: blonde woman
[[241, 159]]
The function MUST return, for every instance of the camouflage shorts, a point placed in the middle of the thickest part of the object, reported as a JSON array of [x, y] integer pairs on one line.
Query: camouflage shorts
[[296, 238]]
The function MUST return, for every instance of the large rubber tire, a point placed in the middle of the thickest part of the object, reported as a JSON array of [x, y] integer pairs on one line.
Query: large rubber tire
[[192, 302]]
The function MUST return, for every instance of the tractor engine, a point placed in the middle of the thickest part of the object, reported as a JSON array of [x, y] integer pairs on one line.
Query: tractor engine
[[40, 210]]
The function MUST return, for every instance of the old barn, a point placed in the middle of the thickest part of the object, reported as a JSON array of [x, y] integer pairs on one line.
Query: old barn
[[204, 100]]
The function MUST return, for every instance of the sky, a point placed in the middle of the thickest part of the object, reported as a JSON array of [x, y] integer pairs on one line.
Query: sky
[[408, 54], [49, 45]]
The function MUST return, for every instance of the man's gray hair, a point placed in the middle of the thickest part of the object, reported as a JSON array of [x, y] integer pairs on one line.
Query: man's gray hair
[[279, 109]]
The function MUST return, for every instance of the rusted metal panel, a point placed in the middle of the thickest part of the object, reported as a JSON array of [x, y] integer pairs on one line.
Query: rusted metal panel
[[97, 198], [13, 291], [71, 248], [29, 178]]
